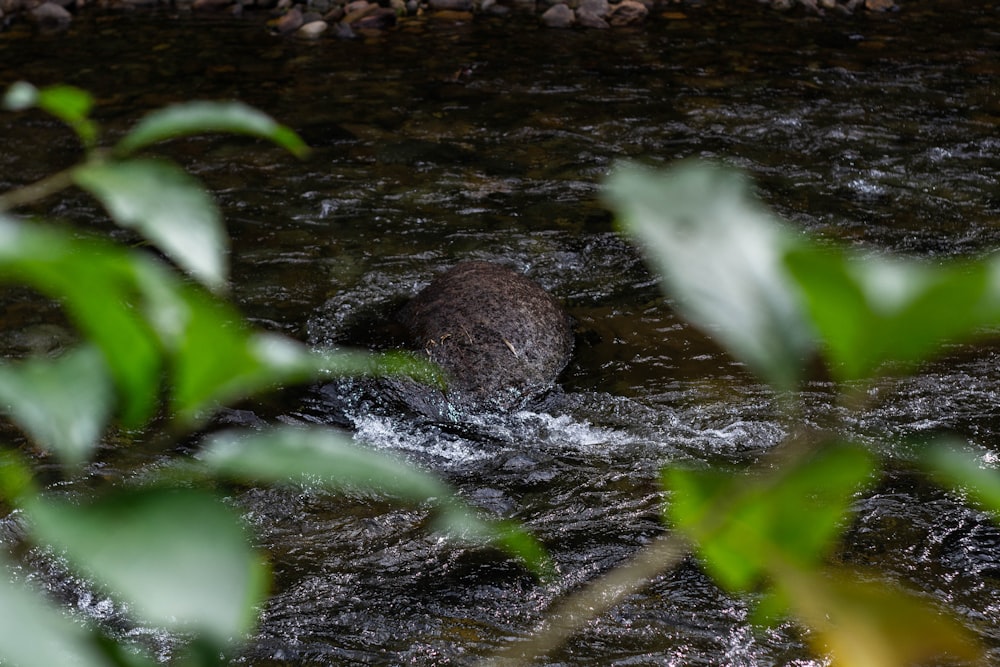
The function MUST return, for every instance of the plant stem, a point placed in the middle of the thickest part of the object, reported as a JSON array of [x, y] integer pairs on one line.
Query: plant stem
[[37, 190], [574, 612]]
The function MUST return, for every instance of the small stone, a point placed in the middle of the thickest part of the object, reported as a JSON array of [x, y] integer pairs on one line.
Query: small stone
[[398, 6], [356, 6], [599, 8], [379, 18], [312, 29], [589, 19], [50, 14], [558, 16], [343, 31], [879, 5], [628, 12], [334, 15], [289, 22]]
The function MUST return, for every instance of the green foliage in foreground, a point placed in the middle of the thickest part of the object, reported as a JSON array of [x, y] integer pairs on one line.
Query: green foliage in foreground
[[779, 301], [158, 344]]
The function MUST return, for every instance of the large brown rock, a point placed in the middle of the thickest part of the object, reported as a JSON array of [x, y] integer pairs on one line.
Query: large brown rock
[[500, 338]]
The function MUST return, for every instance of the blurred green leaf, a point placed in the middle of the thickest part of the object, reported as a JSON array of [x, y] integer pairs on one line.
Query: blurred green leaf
[[328, 458], [179, 559], [63, 404], [200, 117], [218, 359], [167, 206], [17, 482], [745, 527], [96, 282], [873, 311], [67, 103], [963, 470], [720, 255], [873, 624], [35, 634]]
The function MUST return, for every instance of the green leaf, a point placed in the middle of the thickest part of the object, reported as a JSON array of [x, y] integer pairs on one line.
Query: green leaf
[[179, 559], [67, 103], [721, 256], [96, 282], [201, 117], [63, 404], [859, 622], [167, 206], [216, 358], [746, 527], [874, 311], [327, 458], [962, 469], [35, 634]]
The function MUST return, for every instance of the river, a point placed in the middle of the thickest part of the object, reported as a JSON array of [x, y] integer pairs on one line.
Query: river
[[443, 140]]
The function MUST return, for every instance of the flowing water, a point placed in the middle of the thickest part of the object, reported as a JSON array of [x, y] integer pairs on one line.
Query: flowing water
[[442, 141]]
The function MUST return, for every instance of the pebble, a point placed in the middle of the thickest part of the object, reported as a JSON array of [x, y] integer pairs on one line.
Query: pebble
[[627, 13], [312, 29], [49, 14], [599, 8], [289, 22], [558, 16], [378, 18], [588, 19], [341, 17]]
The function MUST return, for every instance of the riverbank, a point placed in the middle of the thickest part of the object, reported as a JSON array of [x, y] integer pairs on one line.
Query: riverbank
[[346, 19]]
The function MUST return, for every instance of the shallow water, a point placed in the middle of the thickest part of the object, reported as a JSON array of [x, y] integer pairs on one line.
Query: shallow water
[[878, 130]]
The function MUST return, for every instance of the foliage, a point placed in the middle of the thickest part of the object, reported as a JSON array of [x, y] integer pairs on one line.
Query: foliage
[[777, 301], [159, 344]]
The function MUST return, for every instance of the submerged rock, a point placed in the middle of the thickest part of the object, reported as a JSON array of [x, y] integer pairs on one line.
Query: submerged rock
[[500, 338]]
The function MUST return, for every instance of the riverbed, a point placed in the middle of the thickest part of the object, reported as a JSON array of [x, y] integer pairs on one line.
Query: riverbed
[[447, 140]]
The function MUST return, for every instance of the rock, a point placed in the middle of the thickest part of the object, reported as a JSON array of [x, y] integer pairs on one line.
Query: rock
[[289, 22], [379, 18], [312, 30], [357, 6], [50, 15], [343, 31], [599, 8], [879, 5], [499, 337], [628, 12], [356, 11], [494, 8], [588, 19], [558, 16]]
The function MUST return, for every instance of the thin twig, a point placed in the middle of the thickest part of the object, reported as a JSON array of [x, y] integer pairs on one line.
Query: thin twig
[[37, 190], [573, 613]]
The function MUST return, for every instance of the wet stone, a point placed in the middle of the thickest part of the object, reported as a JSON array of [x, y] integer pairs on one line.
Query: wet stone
[[50, 14], [558, 16], [312, 29], [499, 337], [588, 19], [627, 13]]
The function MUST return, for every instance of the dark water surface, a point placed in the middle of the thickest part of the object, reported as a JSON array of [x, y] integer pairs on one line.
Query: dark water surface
[[879, 130]]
